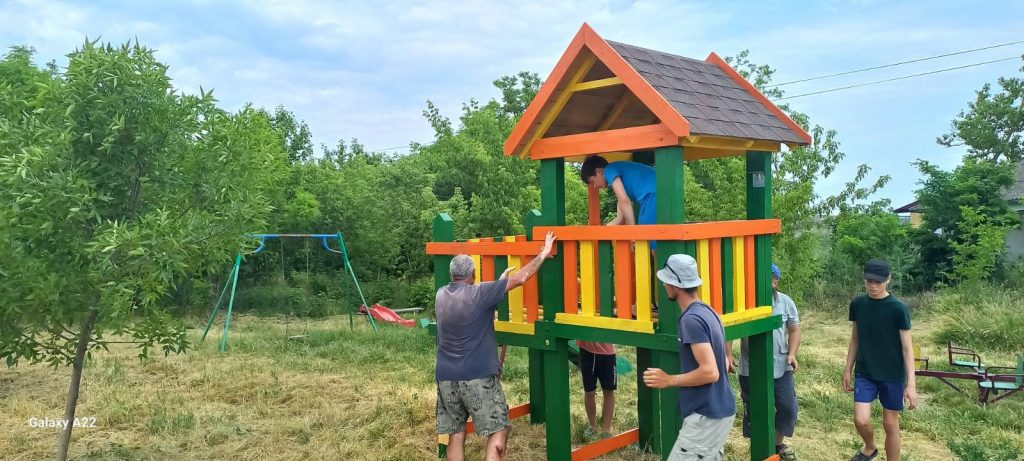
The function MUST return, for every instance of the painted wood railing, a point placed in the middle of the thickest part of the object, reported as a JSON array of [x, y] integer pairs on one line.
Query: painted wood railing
[[608, 271], [725, 259], [490, 257]]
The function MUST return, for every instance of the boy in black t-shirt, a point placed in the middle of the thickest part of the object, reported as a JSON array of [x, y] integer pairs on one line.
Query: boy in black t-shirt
[[881, 349]]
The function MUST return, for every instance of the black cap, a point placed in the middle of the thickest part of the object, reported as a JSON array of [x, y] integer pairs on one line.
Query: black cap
[[877, 270]]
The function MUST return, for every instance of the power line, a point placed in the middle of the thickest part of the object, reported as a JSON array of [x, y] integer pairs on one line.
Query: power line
[[896, 64], [899, 78]]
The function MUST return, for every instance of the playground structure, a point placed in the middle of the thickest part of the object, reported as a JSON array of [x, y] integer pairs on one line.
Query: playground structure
[[232, 279], [1007, 381], [623, 102]]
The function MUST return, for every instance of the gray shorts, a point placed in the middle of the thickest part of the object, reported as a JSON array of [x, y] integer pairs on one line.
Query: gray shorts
[[702, 438], [481, 398]]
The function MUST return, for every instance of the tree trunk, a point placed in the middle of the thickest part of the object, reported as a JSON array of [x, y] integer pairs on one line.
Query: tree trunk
[[76, 380]]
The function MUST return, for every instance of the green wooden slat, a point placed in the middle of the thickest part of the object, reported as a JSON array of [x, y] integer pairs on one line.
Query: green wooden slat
[[550, 409], [727, 276], [605, 279], [500, 264], [625, 338]]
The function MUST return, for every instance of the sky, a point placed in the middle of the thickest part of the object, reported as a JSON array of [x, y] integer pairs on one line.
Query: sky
[[366, 69]]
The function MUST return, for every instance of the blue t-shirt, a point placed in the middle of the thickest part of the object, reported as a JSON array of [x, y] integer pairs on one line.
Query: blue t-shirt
[[465, 330], [699, 324], [638, 180]]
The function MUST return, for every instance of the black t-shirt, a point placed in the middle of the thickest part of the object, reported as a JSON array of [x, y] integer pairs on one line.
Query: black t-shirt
[[879, 348]]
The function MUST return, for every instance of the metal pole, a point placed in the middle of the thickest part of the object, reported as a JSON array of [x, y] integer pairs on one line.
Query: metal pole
[[216, 307], [231, 303]]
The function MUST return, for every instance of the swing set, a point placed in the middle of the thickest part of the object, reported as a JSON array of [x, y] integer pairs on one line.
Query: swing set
[[232, 279]]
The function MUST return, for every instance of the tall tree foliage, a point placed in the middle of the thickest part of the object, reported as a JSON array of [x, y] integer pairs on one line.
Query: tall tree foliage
[[993, 126], [118, 189]]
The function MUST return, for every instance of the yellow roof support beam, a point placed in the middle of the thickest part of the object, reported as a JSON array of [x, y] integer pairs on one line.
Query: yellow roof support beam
[[595, 84]]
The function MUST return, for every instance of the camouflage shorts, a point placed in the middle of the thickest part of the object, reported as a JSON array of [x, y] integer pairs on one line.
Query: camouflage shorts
[[481, 398]]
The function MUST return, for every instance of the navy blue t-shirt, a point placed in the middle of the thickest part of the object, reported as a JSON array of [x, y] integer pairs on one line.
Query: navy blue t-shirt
[[465, 330], [699, 324]]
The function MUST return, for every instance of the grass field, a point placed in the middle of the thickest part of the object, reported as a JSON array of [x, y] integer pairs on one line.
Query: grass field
[[362, 396]]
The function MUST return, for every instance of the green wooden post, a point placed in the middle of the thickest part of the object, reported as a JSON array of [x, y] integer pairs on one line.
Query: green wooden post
[[231, 303], [556, 390], [761, 346], [644, 401], [444, 231], [556, 362], [762, 397], [669, 209], [535, 357]]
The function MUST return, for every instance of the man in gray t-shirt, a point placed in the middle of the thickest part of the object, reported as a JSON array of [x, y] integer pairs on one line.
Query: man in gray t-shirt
[[467, 359], [706, 401]]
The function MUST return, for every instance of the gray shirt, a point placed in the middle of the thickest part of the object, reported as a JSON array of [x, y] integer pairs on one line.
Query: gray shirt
[[781, 305], [465, 330], [699, 324]]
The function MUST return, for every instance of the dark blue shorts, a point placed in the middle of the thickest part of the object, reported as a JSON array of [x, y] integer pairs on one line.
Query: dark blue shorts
[[888, 393], [597, 367]]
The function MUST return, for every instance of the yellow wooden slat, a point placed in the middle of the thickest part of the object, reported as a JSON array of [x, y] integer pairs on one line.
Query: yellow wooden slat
[[642, 269], [442, 439], [594, 84], [739, 283], [515, 297], [611, 323], [559, 104], [747, 315], [514, 327], [476, 262], [704, 269], [588, 279]]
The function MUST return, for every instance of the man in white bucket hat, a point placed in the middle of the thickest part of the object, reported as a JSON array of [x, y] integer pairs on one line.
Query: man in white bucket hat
[[706, 401]]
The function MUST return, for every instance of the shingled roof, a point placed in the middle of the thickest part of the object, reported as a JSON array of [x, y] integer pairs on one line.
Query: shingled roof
[[710, 100], [605, 97]]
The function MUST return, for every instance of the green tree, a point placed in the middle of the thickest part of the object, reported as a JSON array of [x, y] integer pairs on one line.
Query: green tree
[[119, 189], [993, 127], [977, 185]]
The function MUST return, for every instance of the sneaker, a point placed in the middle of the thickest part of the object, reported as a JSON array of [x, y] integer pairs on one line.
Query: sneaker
[[785, 453], [589, 434], [860, 456], [605, 435]]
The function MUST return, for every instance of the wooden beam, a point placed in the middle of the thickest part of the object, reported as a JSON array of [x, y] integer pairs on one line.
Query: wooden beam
[[484, 248], [560, 102], [605, 446], [640, 137], [616, 111], [714, 142], [694, 231], [595, 84]]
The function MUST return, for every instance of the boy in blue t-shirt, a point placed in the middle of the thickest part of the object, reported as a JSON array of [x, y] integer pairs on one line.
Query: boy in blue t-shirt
[[631, 182]]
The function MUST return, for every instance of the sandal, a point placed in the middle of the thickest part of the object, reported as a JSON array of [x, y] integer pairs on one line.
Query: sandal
[[785, 452], [860, 456]]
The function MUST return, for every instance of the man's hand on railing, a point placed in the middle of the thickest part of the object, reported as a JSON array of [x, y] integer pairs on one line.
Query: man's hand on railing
[[549, 245]]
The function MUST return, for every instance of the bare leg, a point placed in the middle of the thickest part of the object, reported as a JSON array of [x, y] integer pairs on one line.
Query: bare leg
[[779, 438], [891, 424], [496, 445], [607, 410], [456, 446], [590, 404], [862, 420]]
